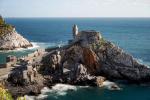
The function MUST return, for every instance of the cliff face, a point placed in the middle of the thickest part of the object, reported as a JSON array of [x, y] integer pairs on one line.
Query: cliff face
[[88, 60], [10, 39], [117, 64], [13, 40], [101, 57]]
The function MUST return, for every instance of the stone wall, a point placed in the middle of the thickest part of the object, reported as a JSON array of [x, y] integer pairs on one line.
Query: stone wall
[[89, 37]]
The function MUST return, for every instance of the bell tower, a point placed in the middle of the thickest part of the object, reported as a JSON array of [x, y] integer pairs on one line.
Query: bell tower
[[75, 31]]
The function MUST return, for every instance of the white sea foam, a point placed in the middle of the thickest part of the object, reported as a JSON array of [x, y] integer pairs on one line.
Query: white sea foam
[[45, 90], [62, 90], [83, 87], [59, 89], [109, 85], [55, 91], [141, 61], [41, 97], [63, 87], [49, 44], [35, 46], [28, 97]]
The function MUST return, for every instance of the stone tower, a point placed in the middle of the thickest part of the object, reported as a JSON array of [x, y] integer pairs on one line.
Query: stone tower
[[75, 31]]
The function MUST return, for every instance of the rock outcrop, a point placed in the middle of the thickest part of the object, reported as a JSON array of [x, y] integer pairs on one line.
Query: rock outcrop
[[101, 57], [117, 64], [87, 60], [10, 39]]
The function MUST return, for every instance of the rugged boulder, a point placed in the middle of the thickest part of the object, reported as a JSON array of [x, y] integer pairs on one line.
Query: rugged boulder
[[117, 64]]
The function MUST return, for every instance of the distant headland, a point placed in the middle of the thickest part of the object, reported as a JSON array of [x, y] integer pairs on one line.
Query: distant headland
[[9, 37]]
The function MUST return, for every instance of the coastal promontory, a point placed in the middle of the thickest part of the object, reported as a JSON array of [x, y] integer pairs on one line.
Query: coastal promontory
[[10, 39], [88, 59]]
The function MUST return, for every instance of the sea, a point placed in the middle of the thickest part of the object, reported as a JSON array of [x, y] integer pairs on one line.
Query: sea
[[130, 34]]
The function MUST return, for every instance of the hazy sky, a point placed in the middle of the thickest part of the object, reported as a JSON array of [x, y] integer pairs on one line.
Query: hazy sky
[[75, 8]]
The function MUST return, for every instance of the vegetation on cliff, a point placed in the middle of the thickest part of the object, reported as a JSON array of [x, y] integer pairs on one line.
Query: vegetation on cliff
[[10, 39], [4, 27], [95, 46], [4, 94], [1, 20]]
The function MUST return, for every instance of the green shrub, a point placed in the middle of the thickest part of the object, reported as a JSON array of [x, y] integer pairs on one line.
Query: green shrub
[[1, 21], [102, 41], [6, 28], [4, 94]]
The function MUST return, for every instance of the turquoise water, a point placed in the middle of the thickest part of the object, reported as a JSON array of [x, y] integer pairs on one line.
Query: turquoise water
[[131, 92], [131, 34]]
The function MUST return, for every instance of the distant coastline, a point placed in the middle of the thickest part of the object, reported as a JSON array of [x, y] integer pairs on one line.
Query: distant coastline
[[78, 18]]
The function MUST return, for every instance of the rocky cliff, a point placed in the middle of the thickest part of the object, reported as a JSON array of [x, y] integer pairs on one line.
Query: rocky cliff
[[101, 57], [88, 60], [117, 64], [10, 39]]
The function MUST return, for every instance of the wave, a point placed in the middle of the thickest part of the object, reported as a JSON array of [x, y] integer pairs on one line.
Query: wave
[[37, 45], [62, 90], [55, 91], [141, 61], [49, 44]]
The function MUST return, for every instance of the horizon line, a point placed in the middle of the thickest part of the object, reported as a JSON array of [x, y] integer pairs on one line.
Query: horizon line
[[76, 17]]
